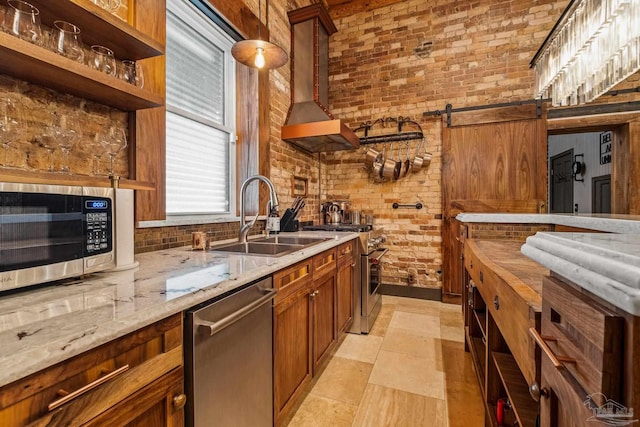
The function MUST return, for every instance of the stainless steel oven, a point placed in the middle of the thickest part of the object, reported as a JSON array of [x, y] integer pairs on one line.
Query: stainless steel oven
[[370, 281], [49, 232]]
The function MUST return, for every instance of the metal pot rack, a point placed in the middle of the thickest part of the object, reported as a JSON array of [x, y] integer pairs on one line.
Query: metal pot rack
[[399, 122]]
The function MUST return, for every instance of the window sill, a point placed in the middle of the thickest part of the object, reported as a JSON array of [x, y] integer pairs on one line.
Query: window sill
[[177, 221]]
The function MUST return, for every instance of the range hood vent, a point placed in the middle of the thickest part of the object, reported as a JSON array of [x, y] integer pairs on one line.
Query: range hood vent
[[309, 124]]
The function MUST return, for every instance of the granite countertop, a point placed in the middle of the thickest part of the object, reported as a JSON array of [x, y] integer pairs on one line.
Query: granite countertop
[[43, 326], [607, 265], [611, 223]]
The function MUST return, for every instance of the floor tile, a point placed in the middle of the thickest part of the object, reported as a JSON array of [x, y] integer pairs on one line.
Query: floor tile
[[343, 380], [408, 373], [452, 333], [382, 321], [318, 411], [464, 404], [382, 406], [424, 325], [360, 347], [398, 341]]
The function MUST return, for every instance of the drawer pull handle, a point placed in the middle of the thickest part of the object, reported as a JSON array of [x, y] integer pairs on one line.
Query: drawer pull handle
[[82, 390], [556, 360]]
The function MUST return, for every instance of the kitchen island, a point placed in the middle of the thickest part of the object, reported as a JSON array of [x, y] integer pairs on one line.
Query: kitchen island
[[47, 325]]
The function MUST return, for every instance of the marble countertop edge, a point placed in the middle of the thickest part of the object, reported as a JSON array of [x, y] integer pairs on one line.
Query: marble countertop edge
[[604, 223]]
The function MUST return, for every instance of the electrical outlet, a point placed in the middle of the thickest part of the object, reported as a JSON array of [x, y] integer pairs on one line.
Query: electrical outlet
[[411, 278]]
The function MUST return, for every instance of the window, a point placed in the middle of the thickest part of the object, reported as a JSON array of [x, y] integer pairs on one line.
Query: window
[[200, 100]]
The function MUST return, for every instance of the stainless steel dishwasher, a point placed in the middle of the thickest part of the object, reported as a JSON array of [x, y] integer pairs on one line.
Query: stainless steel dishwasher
[[228, 359]]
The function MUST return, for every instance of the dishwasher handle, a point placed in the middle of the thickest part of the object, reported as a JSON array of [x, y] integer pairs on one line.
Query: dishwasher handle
[[237, 315]]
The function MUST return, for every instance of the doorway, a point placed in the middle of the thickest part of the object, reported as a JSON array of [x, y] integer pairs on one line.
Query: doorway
[[561, 183], [601, 187]]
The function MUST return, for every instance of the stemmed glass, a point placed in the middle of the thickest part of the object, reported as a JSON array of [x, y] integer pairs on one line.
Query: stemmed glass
[[117, 142], [102, 59], [11, 127], [65, 40], [68, 139], [22, 19], [101, 147]]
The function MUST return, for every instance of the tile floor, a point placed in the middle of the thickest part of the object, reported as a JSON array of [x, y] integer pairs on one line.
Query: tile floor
[[411, 370]]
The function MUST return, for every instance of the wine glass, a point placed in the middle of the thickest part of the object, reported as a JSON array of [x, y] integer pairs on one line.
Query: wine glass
[[131, 73], [49, 142], [101, 146], [67, 140], [102, 59], [22, 19], [65, 40], [11, 127], [117, 141]]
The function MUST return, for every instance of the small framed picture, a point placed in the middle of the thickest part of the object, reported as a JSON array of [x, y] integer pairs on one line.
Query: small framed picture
[[299, 186]]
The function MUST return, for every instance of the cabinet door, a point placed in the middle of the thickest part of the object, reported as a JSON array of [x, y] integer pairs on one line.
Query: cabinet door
[[291, 350], [159, 404], [345, 295], [325, 329]]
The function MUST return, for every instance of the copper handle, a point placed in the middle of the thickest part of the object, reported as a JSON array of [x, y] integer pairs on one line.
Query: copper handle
[[179, 401], [556, 360], [82, 390]]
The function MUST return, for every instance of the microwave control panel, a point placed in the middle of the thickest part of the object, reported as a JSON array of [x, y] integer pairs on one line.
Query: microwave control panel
[[98, 225]]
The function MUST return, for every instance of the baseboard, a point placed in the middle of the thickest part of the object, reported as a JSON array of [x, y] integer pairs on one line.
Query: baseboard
[[434, 294]]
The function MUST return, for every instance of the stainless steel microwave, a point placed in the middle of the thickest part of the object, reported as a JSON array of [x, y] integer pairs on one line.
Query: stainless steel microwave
[[50, 232]]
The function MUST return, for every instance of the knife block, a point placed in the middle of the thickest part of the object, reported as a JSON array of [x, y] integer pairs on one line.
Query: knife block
[[288, 221]]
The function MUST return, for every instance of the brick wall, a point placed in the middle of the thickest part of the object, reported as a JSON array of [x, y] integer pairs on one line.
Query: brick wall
[[417, 56], [518, 232]]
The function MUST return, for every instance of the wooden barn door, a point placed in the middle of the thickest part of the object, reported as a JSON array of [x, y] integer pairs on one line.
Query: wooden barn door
[[494, 160]]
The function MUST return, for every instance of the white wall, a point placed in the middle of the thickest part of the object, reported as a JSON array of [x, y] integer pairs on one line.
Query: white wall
[[582, 143]]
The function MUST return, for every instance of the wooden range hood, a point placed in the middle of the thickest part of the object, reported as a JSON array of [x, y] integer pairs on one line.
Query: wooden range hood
[[309, 124]]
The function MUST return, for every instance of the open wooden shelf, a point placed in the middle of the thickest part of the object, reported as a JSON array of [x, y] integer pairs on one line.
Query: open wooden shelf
[[523, 406], [481, 318], [38, 65], [478, 353], [20, 176], [98, 26]]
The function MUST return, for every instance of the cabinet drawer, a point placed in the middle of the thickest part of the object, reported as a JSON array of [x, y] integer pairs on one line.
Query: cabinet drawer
[[291, 279], [324, 263], [346, 252], [128, 364], [577, 328]]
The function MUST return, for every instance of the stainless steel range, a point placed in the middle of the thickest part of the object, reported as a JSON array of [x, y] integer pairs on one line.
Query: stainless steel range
[[368, 275]]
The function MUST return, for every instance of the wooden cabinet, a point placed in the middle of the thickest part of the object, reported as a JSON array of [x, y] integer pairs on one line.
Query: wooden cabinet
[[502, 303], [582, 346], [305, 321], [345, 283], [292, 337], [134, 380]]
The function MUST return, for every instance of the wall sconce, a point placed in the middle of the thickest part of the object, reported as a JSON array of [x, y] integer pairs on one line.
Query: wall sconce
[[593, 46], [578, 167]]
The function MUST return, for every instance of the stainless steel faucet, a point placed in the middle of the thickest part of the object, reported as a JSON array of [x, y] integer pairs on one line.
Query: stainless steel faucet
[[273, 203]]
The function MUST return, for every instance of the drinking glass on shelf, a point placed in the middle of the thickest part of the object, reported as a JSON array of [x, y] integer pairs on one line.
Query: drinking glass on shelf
[[22, 19], [11, 126], [67, 140], [65, 40], [131, 72], [117, 141], [110, 5], [102, 59]]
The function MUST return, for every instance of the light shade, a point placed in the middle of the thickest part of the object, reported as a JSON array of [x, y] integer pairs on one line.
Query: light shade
[[594, 46], [245, 52]]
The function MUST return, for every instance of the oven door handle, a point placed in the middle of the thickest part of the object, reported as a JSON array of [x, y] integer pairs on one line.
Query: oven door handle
[[376, 259]]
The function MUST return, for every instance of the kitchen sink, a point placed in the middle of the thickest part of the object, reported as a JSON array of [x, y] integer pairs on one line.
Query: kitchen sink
[[258, 248], [292, 240]]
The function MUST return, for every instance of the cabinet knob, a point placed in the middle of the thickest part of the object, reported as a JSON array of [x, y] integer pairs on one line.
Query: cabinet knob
[[179, 401], [536, 392], [496, 302]]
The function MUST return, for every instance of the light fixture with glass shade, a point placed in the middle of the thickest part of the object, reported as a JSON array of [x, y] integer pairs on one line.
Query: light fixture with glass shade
[[594, 46], [259, 53]]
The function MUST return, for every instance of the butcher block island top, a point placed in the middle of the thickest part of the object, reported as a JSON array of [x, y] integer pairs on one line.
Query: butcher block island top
[[42, 326], [519, 272]]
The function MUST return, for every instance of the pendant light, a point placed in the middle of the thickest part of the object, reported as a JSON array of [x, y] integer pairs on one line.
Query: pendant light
[[259, 53]]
